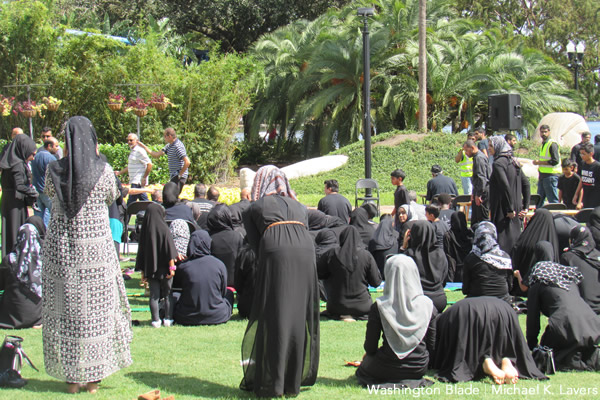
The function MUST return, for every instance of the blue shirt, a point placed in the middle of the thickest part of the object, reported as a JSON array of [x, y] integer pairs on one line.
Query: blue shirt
[[38, 169]]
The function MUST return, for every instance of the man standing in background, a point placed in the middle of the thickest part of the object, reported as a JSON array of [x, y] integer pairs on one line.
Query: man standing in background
[[44, 156], [549, 168], [138, 167]]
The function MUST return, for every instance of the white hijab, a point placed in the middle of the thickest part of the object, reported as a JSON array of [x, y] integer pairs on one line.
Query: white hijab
[[405, 311]]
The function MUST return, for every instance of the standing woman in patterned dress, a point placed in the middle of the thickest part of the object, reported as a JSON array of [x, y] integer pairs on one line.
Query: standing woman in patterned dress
[[86, 316]]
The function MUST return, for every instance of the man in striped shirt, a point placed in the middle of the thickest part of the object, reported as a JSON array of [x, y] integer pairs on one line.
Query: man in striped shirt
[[177, 156]]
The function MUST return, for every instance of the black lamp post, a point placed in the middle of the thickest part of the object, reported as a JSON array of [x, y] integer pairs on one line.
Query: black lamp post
[[575, 54], [366, 13]]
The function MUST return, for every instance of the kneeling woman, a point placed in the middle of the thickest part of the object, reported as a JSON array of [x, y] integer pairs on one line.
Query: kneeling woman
[[477, 334], [573, 330], [348, 270], [403, 314]]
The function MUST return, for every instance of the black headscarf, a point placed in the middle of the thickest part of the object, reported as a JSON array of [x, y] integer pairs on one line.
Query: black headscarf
[[219, 219], [463, 235], [371, 210], [429, 257], [583, 245], [360, 220], [540, 227], [316, 220], [170, 194], [544, 252], [156, 247], [39, 225], [17, 151], [75, 175], [326, 239], [350, 243], [199, 244], [385, 235], [594, 225]]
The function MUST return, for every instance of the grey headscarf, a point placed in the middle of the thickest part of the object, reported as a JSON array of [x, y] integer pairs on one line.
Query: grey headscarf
[[501, 148], [405, 311]]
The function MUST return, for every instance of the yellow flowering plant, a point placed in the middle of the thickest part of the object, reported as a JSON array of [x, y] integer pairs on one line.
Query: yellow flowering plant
[[6, 105]]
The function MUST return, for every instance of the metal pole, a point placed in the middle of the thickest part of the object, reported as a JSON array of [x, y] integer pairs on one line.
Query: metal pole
[[30, 121], [576, 68], [367, 100]]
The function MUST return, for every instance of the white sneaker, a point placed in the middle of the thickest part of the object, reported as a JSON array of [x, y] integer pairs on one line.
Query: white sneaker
[[167, 322], [156, 324]]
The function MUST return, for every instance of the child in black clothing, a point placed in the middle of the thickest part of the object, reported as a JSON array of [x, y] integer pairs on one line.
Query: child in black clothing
[[567, 183]]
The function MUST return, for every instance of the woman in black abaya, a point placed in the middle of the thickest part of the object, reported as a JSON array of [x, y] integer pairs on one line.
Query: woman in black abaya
[[540, 228], [156, 259], [280, 349], [21, 276], [431, 261], [573, 330], [594, 225], [488, 269], [458, 242], [582, 254], [506, 195], [402, 316], [226, 242], [476, 335], [173, 207], [384, 242], [17, 191], [348, 271], [359, 218], [204, 297]]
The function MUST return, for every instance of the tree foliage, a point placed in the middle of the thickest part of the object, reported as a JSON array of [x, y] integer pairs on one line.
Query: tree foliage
[[209, 97]]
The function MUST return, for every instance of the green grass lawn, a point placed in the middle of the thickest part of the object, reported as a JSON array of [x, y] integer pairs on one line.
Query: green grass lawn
[[204, 362]]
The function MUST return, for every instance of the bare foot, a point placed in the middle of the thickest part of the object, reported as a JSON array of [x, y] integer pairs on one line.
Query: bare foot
[[511, 375], [91, 387], [73, 388], [492, 370]]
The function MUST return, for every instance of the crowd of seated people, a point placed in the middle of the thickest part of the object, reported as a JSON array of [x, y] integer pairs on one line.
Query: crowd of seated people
[[195, 255]]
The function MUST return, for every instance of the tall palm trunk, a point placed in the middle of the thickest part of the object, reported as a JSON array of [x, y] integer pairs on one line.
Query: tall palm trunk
[[422, 66]]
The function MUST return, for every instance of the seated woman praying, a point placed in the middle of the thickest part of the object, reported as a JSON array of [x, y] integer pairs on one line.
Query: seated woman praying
[[582, 253], [226, 242], [487, 268], [359, 218], [204, 298], [420, 242], [402, 316], [481, 336], [573, 330], [348, 269], [384, 242], [458, 243], [21, 278]]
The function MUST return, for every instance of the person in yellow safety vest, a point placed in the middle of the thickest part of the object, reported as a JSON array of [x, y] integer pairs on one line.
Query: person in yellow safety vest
[[548, 167], [466, 167]]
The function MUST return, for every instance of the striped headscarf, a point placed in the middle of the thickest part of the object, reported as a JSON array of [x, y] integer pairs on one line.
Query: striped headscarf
[[271, 180]]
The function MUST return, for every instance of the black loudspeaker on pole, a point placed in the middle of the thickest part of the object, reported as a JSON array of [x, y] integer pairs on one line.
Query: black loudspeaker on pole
[[504, 112]]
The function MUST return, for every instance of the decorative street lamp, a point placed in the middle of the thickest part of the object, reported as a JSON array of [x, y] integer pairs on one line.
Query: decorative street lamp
[[366, 13], [575, 54]]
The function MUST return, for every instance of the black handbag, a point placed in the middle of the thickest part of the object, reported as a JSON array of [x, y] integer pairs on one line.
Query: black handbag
[[11, 360], [544, 359]]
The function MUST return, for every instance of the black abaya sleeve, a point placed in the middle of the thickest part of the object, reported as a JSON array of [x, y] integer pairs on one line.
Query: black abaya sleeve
[[374, 329], [466, 283], [252, 233], [373, 274], [323, 264], [22, 182], [525, 190], [533, 315], [504, 189]]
